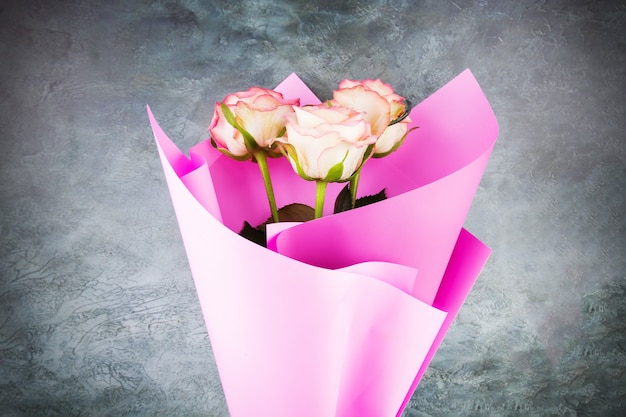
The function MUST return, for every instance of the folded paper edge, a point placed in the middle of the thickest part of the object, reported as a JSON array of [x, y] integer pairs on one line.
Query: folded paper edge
[[466, 264]]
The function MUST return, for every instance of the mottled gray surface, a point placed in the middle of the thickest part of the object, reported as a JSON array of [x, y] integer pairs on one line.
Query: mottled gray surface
[[98, 314]]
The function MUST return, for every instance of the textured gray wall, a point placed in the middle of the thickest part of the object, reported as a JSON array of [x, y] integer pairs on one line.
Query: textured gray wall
[[98, 314]]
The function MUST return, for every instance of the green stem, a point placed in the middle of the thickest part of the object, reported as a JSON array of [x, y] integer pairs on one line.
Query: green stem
[[261, 159], [354, 184], [320, 195]]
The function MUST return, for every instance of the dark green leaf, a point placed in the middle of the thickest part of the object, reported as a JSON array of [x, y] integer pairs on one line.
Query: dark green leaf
[[254, 234], [344, 200], [371, 199], [295, 212]]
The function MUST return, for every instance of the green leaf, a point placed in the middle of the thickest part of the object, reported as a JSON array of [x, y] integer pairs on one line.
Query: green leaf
[[343, 202], [294, 212], [254, 234], [371, 199]]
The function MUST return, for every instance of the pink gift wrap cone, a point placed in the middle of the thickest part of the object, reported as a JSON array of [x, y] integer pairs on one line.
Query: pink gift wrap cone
[[339, 316]]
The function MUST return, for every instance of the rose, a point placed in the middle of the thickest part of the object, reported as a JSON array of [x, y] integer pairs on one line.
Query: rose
[[244, 126], [367, 96], [326, 143], [248, 121], [381, 107], [391, 138]]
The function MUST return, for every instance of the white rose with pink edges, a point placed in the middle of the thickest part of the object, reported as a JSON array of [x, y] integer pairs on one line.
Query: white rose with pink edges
[[381, 107], [326, 143], [250, 120]]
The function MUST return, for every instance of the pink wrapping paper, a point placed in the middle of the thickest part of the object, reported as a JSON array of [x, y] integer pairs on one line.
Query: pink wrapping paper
[[340, 316]]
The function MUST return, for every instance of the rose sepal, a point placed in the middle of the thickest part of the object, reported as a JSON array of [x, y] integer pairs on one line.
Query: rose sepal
[[290, 153], [251, 144], [335, 172], [229, 154]]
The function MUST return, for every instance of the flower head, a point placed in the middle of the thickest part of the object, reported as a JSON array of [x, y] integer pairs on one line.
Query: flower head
[[326, 143], [249, 120], [381, 106]]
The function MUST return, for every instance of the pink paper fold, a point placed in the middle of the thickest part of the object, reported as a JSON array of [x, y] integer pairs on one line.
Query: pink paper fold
[[431, 180], [343, 318]]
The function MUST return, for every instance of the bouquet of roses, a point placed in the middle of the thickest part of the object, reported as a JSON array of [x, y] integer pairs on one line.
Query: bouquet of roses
[[343, 304], [327, 142]]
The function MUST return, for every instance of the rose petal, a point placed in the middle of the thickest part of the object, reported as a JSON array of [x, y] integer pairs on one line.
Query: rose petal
[[225, 135], [343, 151], [375, 107], [392, 135], [264, 126]]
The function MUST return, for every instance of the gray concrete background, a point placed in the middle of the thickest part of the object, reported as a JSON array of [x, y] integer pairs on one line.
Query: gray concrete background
[[98, 314]]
